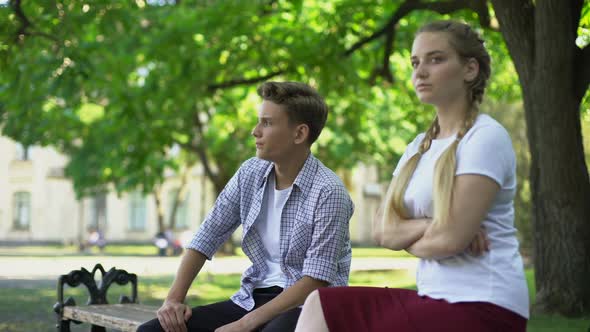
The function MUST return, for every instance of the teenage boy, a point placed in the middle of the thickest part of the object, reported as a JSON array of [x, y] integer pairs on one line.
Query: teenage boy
[[294, 212]]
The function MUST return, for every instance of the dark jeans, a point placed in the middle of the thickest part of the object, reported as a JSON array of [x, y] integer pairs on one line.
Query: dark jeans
[[209, 317]]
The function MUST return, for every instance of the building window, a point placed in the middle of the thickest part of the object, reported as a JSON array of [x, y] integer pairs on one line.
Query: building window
[[23, 152], [137, 211], [22, 210], [98, 213], [181, 210]]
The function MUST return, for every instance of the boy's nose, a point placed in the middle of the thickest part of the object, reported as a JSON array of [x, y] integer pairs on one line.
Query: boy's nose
[[255, 131]]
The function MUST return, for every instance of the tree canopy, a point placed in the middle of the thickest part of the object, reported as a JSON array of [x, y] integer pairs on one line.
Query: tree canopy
[[117, 85]]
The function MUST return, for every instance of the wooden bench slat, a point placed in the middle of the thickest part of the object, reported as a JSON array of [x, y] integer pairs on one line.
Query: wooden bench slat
[[124, 317]]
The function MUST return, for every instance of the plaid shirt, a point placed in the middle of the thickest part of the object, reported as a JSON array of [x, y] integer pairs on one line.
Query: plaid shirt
[[314, 238]]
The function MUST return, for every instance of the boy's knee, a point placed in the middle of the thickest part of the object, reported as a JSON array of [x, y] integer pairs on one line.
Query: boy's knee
[[150, 326]]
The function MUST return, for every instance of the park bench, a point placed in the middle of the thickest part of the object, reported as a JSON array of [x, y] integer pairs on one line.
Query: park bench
[[125, 316]]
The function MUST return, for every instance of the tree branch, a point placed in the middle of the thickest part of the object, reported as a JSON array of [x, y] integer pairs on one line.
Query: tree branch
[[267, 8], [385, 70], [447, 7], [44, 35], [20, 15], [443, 7], [389, 42], [26, 23], [401, 11], [198, 148], [237, 82]]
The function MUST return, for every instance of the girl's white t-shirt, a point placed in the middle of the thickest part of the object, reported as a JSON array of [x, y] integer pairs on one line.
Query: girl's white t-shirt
[[498, 275]]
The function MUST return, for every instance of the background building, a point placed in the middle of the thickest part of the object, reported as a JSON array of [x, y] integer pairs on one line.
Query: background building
[[38, 204]]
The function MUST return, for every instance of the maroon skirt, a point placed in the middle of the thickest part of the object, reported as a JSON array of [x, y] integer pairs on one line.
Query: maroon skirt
[[371, 309]]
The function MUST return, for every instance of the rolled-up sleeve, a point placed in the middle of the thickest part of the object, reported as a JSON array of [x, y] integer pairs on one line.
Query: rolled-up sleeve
[[221, 222], [330, 233]]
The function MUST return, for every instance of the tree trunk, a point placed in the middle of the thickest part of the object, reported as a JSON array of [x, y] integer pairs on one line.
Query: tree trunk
[[180, 195], [560, 192], [159, 210], [560, 186]]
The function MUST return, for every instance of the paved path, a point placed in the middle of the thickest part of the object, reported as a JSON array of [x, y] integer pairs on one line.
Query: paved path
[[50, 268]]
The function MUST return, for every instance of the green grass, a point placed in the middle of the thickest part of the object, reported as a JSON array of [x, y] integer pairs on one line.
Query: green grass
[[37, 250], [70, 250], [26, 305], [150, 250], [552, 323]]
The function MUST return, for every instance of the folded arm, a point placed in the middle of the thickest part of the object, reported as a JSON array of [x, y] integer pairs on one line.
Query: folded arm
[[398, 233], [473, 196]]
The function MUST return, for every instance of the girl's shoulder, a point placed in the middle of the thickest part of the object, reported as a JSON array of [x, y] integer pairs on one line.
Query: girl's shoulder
[[485, 129]]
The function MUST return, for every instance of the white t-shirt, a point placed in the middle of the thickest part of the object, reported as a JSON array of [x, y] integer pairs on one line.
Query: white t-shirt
[[268, 227], [498, 275]]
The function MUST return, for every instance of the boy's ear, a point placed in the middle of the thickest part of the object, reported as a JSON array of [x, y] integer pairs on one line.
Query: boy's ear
[[301, 133]]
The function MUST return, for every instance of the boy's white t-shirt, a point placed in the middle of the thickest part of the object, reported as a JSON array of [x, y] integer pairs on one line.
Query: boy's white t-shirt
[[268, 227], [498, 275]]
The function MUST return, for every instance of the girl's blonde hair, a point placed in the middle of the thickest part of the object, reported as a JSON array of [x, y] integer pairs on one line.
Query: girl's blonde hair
[[468, 44]]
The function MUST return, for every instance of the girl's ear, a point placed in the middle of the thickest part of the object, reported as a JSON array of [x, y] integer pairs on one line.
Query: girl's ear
[[471, 69]]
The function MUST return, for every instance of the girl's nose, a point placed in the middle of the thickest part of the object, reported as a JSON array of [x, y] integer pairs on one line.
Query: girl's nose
[[421, 71]]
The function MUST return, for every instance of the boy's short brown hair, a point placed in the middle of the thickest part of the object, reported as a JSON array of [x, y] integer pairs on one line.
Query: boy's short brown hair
[[302, 103]]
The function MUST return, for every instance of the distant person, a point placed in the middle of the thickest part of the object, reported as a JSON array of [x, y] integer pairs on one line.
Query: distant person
[[174, 244], [450, 203], [96, 238], [167, 244], [161, 242], [294, 212]]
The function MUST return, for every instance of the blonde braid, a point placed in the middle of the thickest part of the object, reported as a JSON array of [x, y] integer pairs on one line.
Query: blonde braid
[[445, 169], [394, 203], [431, 133]]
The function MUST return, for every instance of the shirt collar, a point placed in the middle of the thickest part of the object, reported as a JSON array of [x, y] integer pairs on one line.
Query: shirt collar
[[304, 179]]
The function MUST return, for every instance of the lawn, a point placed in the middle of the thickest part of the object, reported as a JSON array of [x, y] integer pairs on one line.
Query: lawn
[[151, 250], [70, 250], [26, 305]]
